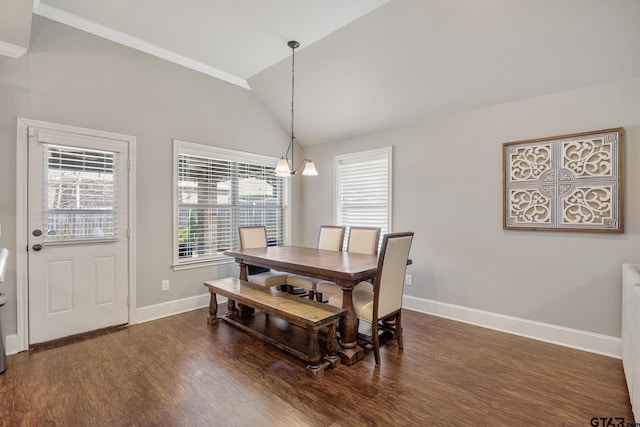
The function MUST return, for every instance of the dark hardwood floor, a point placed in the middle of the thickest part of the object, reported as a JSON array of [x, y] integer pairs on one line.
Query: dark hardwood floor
[[179, 371]]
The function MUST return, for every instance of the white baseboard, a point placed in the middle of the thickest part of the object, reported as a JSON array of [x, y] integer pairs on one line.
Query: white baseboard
[[169, 308], [12, 344], [567, 337]]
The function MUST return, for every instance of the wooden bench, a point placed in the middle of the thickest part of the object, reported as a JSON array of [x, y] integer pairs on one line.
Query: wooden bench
[[307, 314]]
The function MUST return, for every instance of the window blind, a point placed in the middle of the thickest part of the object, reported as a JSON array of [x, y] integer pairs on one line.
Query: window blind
[[363, 189], [219, 191], [80, 200]]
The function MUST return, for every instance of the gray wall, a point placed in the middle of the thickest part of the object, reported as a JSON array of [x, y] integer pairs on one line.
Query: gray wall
[[74, 78], [15, 22], [447, 188], [447, 177]]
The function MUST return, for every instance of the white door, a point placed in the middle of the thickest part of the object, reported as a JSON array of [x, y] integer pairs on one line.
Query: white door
[[78, 244]]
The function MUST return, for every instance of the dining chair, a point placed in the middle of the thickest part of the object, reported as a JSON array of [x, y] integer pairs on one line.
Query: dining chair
[[383, 307], [331, 238], [361, 240], [256, 237]]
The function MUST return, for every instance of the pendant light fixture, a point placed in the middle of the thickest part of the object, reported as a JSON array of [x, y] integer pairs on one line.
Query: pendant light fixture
[[283, 167]]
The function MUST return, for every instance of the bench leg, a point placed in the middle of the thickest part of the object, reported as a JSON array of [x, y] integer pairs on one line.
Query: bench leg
[[231, 307], [332, 346], [314, 349], [243, 311], [212, 319], [314, 369]]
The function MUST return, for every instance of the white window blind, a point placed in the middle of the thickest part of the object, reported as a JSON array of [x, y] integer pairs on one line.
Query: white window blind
[[80, 200], [218, 190], [363, 189]]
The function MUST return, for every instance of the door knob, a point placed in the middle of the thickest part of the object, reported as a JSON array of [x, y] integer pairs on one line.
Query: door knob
[[37, 233], [37, 247]]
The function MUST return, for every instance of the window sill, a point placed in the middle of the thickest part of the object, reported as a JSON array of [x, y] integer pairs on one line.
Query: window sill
[[188, 265]]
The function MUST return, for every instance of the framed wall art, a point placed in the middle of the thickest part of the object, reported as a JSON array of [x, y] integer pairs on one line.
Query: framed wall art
[[565, 183]]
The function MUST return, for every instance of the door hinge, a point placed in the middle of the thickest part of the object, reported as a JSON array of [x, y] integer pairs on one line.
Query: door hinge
[[128, 233], [129, 165], [31, 131]]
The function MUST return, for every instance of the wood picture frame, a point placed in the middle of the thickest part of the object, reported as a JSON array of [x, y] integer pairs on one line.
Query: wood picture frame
[[571, 182]]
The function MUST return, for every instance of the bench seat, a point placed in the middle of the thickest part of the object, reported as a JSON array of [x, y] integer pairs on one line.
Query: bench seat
[[302, 312]]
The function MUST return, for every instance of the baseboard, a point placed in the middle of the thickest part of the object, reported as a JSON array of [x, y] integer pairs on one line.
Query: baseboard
[[169, 308], [566, 337], [12, 344]]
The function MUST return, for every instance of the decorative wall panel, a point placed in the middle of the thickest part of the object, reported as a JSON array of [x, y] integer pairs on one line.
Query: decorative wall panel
[[565, 183]]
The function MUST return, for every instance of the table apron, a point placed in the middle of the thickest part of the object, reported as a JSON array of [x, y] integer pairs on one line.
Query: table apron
[[342, 280]]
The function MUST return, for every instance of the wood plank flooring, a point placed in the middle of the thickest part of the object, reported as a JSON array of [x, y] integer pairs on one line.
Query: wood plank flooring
[[179, 371]]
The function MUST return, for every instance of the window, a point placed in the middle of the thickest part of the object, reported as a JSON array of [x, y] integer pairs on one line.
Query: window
[[217, 190], [363, 189], [80, 202]]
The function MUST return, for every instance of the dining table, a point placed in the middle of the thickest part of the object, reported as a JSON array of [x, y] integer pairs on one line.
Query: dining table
[[343, 268]]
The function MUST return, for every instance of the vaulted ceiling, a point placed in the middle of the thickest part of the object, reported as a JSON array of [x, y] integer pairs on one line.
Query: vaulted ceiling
[[368, 65]]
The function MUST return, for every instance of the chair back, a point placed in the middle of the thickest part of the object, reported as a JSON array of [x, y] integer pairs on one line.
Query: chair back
[[253, 237], [392, 266], [331, 237], [363, 240]]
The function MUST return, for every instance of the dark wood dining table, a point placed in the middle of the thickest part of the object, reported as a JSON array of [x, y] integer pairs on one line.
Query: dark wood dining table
[[343, 268]]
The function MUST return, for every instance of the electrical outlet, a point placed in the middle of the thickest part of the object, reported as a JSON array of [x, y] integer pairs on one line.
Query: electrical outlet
[[408, 279], [165, 285]]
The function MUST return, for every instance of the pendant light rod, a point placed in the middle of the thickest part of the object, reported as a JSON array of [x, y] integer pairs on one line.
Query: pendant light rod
[[293, 45], [283, 168]]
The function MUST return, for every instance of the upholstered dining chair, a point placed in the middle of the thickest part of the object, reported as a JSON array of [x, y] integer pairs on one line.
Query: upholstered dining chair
[[361, 240], [383, 307], [331, 238], [256, 237]]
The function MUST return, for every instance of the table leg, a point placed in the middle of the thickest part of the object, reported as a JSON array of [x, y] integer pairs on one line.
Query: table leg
[[212, 319], [350, 352], [244, 271]]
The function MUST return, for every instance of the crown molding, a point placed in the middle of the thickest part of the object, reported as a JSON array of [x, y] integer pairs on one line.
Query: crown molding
[[99, 30], [12, 50]]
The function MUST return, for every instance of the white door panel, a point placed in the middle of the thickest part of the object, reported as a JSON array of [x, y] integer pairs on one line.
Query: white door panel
[[78, 247]]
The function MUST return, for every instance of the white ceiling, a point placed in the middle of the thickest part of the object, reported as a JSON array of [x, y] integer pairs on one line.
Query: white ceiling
[[370, 65], [228, 39]]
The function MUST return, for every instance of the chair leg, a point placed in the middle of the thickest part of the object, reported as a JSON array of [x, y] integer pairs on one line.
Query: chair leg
[[399, 329], [376, 341]]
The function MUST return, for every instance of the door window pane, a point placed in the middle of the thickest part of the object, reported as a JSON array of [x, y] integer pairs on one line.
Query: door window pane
[[80, 198]]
